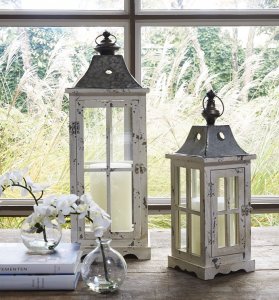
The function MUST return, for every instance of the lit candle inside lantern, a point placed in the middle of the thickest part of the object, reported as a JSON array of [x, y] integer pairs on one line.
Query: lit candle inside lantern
[[121, 194]]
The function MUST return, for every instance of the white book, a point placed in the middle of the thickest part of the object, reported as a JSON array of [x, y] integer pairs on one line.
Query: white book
[[39, 282], [15, 258]]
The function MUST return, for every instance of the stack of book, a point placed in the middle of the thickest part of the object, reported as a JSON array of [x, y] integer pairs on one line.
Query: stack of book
[[22, 270]]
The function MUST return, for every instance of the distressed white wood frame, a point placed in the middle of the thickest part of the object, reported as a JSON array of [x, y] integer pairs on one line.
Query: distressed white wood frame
[[135, 242], [212, 260]]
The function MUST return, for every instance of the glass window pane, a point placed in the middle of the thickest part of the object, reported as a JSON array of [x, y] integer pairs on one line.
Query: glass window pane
[[208, 4], [195, 189], [221, 194], [117, 134], [183, 187], [221, 231], [63, 4], [232, 191], [180, 64], [182, 227], [121, 134], [196, 234], [233, 229]]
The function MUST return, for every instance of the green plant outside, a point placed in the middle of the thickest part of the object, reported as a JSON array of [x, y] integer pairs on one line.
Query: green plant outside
[[178, 64]]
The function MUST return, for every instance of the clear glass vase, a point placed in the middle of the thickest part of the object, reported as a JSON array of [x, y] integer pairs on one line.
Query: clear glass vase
[[39, 238], [103, 269]]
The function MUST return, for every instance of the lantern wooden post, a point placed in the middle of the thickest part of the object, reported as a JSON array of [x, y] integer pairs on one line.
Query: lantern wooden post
[[211, 201], [108, 157]]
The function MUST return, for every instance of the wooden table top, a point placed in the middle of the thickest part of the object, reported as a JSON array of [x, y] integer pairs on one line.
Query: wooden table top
[[152, 279]]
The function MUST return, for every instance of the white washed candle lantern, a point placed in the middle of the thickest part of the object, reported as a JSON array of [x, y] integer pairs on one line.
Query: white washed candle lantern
[[108, 154], [210, 200]]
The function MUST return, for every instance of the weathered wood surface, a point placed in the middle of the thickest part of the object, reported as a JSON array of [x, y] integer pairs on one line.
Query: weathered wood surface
[[153, 280]]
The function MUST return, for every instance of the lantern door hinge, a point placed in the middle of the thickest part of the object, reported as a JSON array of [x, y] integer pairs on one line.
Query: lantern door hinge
[[140, 168], [246, 210], [74, 128]]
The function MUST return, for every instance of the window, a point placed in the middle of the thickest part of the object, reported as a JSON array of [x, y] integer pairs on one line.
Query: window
[[62, 5], [179, 49]]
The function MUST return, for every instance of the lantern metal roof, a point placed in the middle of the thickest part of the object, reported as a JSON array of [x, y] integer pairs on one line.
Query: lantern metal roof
[[107, 70], [211, 141]]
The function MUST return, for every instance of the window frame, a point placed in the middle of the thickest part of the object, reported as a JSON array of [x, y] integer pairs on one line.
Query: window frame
[[132, 19]]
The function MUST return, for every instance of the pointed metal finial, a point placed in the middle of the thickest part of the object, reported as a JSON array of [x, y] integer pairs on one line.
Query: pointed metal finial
[[106, 45], [210, 113]]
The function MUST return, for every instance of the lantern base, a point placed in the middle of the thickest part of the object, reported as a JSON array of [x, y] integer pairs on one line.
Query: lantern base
[[141, 253], [207, 273]]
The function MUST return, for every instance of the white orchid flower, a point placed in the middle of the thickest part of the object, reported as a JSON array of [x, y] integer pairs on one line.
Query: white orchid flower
[[50, 200], [47, 222], [65, 203], [61, 219], [35, 187], [35, 218], [16, 176], [82, 210], [45, 210], [5, 180], [100, 225]]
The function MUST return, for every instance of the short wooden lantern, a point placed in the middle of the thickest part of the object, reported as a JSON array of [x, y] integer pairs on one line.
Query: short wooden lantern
[[108, 149], [210, 184]]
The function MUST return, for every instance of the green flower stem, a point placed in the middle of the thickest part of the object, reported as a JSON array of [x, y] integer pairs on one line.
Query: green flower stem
[[44, 234], [104, 260], [29, 189], [102, 251]]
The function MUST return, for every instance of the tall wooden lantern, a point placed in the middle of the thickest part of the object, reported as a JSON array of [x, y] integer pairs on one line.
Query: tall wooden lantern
[[210, 184], [108, 149]]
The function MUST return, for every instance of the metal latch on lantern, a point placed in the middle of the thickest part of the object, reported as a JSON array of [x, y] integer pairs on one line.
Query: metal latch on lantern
[[140, 168], [74, 128], [246, 210]]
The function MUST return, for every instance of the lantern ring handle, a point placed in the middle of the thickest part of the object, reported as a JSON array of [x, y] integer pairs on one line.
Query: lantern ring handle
[[223, 108], [106, 34]]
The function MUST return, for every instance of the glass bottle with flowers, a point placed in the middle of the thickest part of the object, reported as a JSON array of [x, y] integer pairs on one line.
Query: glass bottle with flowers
[[41, 231], [103, 269]]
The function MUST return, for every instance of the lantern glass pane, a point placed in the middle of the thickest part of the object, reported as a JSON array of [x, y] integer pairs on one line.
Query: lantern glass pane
[[195, 189], [120, 136], [182, 227], [232, 191], [182, 186], [221, 231], [221, 194], [233, 229], [94, 135], [196, 234]]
